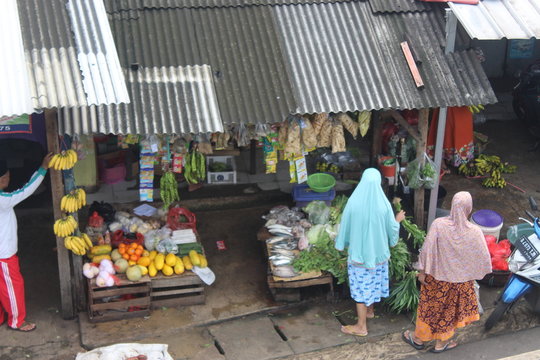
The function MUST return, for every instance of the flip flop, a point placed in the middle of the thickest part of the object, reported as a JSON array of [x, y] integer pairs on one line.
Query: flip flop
[[445, 348], [23, 325], [409, 340], [348, 332]]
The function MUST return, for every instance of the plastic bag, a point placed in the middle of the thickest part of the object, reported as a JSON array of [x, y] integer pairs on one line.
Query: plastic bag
[[319, 212], [153, 237], [429, 173], [413, 175], [167, 246]]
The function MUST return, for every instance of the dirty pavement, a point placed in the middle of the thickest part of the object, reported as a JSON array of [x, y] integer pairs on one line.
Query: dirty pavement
[[240, 320]]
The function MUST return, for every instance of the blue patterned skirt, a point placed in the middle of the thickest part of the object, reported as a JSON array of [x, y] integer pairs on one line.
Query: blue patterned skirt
[[368, 286]]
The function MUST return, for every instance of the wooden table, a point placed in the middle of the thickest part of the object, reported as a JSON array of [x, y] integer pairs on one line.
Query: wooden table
[[289, 289]]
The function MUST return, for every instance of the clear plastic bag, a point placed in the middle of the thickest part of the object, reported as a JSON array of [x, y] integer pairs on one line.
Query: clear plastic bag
[[422, 176], [429, 173], [167, 246], [413, 175], [319, 212]]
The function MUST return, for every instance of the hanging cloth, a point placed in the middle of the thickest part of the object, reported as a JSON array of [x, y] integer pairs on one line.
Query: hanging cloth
[[458, 145]]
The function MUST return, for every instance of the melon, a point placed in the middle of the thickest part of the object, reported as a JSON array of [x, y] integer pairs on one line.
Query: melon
[[115, 255], [121, 265], [134, 273]]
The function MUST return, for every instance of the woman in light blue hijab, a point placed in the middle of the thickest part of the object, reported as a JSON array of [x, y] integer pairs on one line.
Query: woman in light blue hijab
[[368, 229]]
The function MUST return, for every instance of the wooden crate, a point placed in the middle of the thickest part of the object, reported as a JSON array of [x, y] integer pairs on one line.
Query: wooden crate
[[177, 290], [126, 300]]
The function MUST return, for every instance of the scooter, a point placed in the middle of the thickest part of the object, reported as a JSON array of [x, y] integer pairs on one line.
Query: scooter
[[524, 263], [526, 100]]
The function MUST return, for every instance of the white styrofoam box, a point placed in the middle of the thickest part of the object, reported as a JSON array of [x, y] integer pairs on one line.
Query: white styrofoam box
[[224, 177]]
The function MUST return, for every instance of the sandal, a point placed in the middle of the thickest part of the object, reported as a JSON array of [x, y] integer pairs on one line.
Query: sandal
[[445, 347], [409, 340], [25, 324], [349, 332]]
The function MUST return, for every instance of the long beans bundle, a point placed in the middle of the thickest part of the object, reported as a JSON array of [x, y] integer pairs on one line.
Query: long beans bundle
[[168, 189]]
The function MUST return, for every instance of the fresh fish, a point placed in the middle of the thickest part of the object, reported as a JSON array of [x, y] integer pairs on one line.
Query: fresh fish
[[278, 232], [285, 271], [281, 262], [279, 226], [279, 256], [277, 239]]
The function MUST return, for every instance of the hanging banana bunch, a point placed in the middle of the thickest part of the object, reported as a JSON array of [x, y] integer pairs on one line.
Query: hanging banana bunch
[[73, 201], [79, 245], [65, 226], [475, 109], [64, 161]]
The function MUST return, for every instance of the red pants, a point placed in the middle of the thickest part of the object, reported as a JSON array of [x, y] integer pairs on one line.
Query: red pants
[[11, 292]]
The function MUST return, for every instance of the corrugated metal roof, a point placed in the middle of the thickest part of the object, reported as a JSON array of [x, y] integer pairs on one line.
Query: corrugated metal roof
[[70, 57], [15, 95], [121, 5], [297, 59], [164, 100], [240, 44], [398, 6], [497, 19], [341, 57]]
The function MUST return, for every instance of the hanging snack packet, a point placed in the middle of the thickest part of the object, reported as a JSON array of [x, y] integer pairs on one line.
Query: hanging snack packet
[[325, 135], [309, 137], [338, 138], [318, 122], [292, 172], [348, 123]]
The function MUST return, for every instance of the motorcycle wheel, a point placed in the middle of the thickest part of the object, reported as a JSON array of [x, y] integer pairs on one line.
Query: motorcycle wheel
[[497, 314]]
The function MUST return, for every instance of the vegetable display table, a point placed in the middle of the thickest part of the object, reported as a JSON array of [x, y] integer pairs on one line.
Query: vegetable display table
[[288, 289]]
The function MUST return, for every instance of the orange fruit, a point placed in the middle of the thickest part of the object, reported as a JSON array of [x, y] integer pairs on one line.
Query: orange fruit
[[131, 251], [140, 247], [133, 258], [125, 256], [122, 245], [138, 251], [121, 250], [133, 245]]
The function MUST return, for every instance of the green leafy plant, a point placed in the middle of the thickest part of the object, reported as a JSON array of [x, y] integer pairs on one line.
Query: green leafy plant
[[418, 235], [323, 256], [405, 295], [400, 259]]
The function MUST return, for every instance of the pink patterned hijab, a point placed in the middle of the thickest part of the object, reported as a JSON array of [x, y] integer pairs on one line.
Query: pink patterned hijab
[[455, 250]]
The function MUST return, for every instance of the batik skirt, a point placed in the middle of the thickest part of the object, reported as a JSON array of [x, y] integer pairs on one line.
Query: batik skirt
[[444, 307]]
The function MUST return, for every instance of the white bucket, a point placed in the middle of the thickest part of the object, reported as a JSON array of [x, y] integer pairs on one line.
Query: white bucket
[[495, 231]]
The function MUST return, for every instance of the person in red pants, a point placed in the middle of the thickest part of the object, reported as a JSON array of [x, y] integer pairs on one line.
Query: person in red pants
[[11, 281]]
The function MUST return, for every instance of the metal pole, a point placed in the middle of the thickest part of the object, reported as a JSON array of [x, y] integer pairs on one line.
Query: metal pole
[[451, 30]]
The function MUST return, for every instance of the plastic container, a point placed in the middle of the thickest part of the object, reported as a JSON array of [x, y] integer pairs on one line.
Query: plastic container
[[321, 182], [221, 177], [303, 195], [489, 221], [387, 171]]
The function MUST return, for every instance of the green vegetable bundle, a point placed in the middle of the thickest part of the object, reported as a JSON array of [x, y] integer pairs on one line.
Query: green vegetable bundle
[[168, 189], [405, 295], [418, 235], [323, 256], [400, 259], [195, 167]]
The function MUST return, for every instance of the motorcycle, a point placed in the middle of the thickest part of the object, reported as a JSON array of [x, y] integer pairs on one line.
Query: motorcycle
[[526, 100], [524, 263]]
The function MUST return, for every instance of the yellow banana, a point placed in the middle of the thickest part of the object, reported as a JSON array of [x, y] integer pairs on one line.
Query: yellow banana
[[87, 240]]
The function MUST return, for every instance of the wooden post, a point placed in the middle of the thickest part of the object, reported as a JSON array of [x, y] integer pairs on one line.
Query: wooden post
[[376, 143], [420, 149], [57, 190]]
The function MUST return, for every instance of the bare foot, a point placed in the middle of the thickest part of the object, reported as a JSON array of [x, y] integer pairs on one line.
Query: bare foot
[[370, 314], [354, 330]]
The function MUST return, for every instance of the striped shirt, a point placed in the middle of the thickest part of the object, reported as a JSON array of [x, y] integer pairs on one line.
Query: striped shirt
[[8, 221]]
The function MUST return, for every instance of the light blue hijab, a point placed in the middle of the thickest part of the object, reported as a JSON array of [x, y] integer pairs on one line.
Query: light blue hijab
[[368, 226]]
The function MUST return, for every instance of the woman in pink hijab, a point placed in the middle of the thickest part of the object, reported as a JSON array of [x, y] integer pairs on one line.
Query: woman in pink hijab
[[454, 254]]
